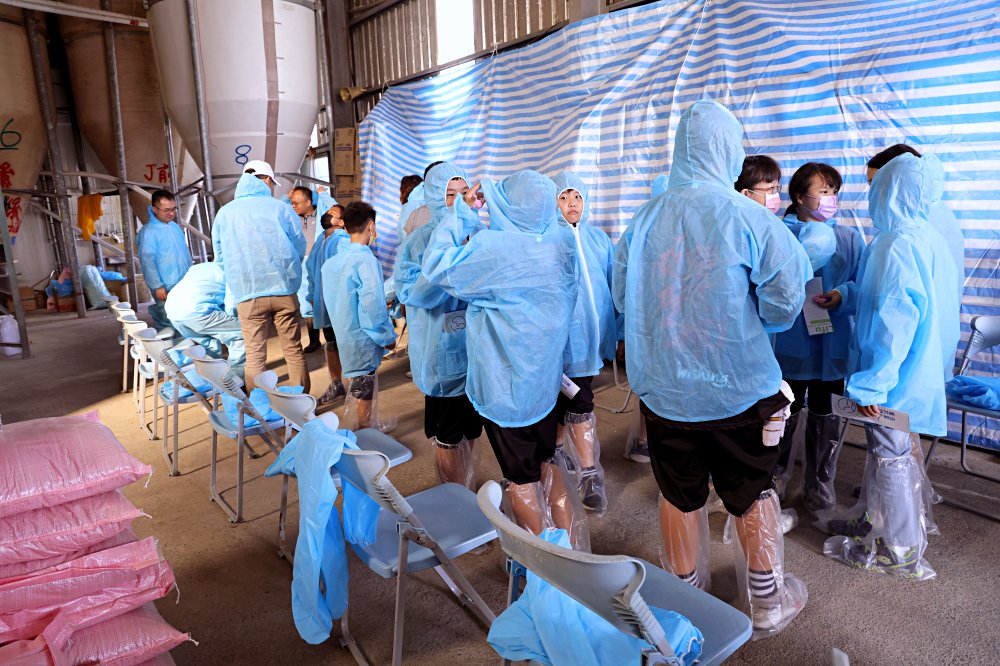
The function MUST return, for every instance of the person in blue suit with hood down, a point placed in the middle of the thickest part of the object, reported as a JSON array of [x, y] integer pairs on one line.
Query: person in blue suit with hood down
[[593, 337], [164, 256], [907, 328], [437, 322], [704, 276], [519, 278], [333, 239], [815, 365], [258, 241]]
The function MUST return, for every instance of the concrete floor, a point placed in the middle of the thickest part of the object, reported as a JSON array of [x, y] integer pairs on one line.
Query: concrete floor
[[235, 595]]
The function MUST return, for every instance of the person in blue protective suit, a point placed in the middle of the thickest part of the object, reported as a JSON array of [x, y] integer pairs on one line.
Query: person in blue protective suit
[[411, 197], [519, 278], [334, 237], [593, 337], [199, 309], [941, 219], [164, 257], [258, 241], [815, 363], [907, 328], [437, 323], [310, 207], [355, 302], [704, 276]]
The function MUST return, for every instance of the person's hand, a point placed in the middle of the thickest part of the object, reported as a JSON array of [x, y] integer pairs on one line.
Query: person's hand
[[620, 352], [472, 194], [831, 300], [321, 189], [161, 294], [870, 411]]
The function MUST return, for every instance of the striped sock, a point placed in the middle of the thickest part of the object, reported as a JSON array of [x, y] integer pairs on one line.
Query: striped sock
[[691, 578], [762, 583]]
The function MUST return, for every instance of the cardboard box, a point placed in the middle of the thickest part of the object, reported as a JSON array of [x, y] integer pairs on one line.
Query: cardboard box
[[65, 303], [343, 161], [345, 137], [345, 189]]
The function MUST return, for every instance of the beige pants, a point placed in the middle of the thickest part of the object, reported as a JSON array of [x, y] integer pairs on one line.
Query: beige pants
[[255, 314]]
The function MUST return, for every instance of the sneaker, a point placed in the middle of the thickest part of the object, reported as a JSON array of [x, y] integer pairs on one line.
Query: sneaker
[[590, 492], [638, 452], [882, 558], [333, 391], [856, 528], [311, 347], [773, 613], [788, 519]]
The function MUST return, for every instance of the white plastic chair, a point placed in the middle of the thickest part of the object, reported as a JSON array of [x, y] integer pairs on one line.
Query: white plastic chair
[[423, 531], [984, 336], [218, 373], [157, 350], [610, 585], [121, 310], [297, 409]]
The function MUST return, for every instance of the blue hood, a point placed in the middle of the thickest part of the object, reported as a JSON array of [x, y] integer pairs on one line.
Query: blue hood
[[435, 188], [708, 147], [567, 180], [903, 191], [250, 185], [524, 201]]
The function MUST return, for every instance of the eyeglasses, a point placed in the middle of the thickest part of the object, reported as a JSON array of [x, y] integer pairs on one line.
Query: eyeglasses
[[166, 211], [773, 190]]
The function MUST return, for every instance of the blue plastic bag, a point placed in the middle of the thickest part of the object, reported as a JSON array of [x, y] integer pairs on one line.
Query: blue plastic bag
[[976, 391]]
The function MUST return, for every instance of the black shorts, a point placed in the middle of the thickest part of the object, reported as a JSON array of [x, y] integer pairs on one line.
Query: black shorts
[[819, 394], [363, 387], [581, 403], [329, 336], [732, 450], [451, 419], [521, 451]]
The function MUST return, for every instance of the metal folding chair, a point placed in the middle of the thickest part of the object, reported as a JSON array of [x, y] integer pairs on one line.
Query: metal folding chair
[[423, 531], [120, 310], [218, 373], [610, 585], [985, 335], [297, 409], [621, 386], [186, 377]]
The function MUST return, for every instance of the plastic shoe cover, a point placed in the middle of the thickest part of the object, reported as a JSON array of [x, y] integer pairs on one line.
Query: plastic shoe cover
[[879, 558], [455, 463], [822, 450], [584, 455], [524, 503], [791, 445], [930, 496], [789, 520], [333, 391], [637, 447], [684, 544], [360, 412], [894, 494], [779, 596], [564, 503]]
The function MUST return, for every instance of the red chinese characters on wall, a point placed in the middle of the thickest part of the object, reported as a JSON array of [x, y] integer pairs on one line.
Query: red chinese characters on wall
[[160, 173]]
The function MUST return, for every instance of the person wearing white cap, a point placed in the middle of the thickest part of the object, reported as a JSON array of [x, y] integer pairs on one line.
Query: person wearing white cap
[[258, 241]]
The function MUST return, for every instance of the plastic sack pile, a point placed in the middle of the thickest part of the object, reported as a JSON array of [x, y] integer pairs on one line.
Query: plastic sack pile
[[76, 585]]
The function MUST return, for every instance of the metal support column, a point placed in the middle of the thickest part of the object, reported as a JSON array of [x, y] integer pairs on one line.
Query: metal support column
[[199, 94], [114, 92], [81, 161], [11, 274], [326, 82], [339, 61], [51, 121]]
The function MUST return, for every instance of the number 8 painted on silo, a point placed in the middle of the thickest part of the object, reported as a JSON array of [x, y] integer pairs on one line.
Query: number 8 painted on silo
[[243, 157]]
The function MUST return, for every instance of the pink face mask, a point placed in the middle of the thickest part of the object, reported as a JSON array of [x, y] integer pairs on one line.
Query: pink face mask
[[772, 202], [828, 207]]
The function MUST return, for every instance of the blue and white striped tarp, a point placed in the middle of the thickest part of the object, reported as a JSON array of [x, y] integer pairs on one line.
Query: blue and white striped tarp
[[811, 81]]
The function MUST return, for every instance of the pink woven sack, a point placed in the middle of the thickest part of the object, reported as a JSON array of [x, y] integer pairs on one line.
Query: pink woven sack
[[51, 461], [19, 569], [63, 599], [58, 530], [133, 638]]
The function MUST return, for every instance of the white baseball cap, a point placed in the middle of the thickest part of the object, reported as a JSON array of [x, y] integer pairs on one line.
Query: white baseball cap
[[260, 167]]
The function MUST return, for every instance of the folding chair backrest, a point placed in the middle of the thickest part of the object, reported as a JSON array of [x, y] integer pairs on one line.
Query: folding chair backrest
[[366, 470], [985, 334], [153, 346], [216, 372], [606, 584], [296, 409], [133, 326], [266, 380], [120, 307]]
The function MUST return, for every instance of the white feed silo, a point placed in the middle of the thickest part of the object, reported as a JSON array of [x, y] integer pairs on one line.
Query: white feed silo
[[261, 80]]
